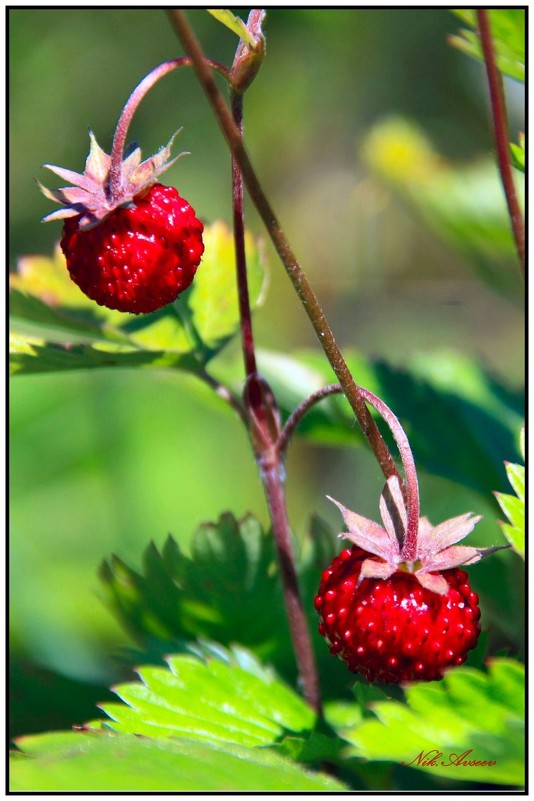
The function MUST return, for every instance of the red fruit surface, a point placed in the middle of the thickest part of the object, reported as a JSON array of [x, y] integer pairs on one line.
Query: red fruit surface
[[137, 259], [394, 630]]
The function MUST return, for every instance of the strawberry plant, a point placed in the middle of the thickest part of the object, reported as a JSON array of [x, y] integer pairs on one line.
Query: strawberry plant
[[260, 655]]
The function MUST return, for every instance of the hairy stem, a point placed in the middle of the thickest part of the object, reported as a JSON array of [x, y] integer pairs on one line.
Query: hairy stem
[[288, 258], [409, 546], [144, 86], [500, 130]]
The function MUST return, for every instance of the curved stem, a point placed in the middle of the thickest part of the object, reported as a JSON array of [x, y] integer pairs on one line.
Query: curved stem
[[296, 274], [409, 546], [121, 131], [500, 129], [296, 416]]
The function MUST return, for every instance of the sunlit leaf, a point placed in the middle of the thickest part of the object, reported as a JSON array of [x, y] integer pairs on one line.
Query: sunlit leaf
[[518, 153], [29, 357], [212, 702], [514, 506], [102, 763], [508, 34], [232, 22], [470, 715], [31, 316]]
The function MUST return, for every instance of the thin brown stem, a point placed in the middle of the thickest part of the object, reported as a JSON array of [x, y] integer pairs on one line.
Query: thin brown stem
[[264, 429], [247, 338], [271, 472], [296, 274], [500, 130]]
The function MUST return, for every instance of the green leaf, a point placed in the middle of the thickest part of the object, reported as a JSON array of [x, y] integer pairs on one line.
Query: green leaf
[[514, 506], [26, 356], [508, 34], [213, 702], [463, 204], [471, 713], [234, 23], [213, 301], [84, 762], [227, 591], [33, 317], [518, 153], [56, 327]]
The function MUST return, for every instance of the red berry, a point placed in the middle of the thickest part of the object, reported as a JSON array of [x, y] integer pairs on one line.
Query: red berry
[[139, 258], [393, 629], [131, 243]]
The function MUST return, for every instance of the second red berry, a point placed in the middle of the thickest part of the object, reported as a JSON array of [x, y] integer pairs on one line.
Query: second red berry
[[394, 630]]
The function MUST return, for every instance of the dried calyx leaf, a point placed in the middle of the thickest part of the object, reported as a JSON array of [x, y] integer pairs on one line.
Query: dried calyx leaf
[[436, 549], [89, 196]]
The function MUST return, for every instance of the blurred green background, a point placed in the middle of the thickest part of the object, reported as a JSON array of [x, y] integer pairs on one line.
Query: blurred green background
[[103, 461]]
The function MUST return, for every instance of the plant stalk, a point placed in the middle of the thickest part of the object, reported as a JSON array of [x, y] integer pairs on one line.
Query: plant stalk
[[123, 124], [288, 258], [247, 337], [409, 546], [271, 473], [264, 429], [500, 131]]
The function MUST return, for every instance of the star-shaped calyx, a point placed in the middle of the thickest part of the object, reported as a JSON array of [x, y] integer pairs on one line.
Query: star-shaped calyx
[[94, 195], [435, 549]]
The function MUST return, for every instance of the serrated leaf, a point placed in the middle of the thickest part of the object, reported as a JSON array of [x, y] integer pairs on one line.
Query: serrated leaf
[[65, 330], [516, 477], [99, 763], [227, 591], [471, 713], [213, 702], [508, 34], [515, 534], [512, 506]]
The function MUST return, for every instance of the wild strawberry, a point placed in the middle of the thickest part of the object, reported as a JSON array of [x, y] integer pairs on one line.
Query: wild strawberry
[[131, 244], [396, 620]]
